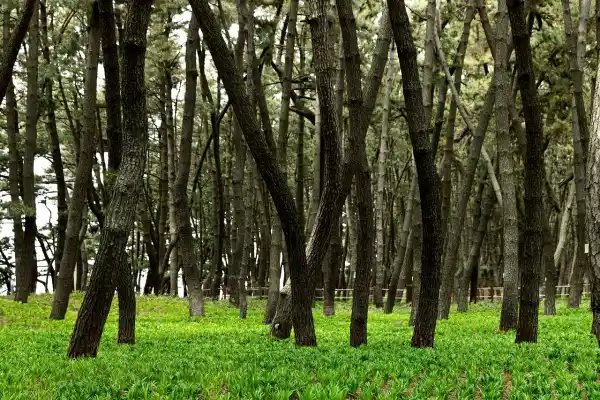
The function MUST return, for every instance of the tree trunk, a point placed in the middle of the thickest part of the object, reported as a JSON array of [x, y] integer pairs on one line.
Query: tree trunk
[[13, 44], [112, 88], [550, 267], [379, 265], [57, 163], [510, 231], [417, 232], [187, 252], [26, 278], [15, 165], [534, 177], [475, 150], [429, 182], [449, 145], [121, 210], [172, 174], [580, 133], [399, 260], [82, 176]]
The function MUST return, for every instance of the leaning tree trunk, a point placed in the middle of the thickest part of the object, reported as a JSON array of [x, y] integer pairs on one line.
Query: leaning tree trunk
[[120, 213], [475, 150], [448, 148], [82, 176], [13, 45], [510, 242], [28, 272], [429, 182], [534, 177], [302, 274]]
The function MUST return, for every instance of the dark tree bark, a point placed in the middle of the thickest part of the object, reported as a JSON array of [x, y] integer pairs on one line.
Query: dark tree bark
[[82, 175], [57, 163], [26, 279], [121, 210], [15, 165], [187, 252], [428, 179], [534, 177], [11, 49], [112, 88]]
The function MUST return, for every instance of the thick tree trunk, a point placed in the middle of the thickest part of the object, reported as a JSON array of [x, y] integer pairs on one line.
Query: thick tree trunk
[[510, 242], [13, 45], [534, 177], [593, 214], [82, 176], [26, 277], [429, 182], [121, 210]]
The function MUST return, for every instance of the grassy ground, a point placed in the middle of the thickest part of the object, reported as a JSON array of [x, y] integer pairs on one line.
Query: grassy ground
[[221, 356]]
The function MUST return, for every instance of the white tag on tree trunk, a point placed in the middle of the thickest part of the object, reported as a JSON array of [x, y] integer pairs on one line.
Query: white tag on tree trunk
[[587, 248]]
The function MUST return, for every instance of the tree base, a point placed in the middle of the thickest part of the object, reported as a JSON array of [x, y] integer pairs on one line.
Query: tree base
[[281, 327]]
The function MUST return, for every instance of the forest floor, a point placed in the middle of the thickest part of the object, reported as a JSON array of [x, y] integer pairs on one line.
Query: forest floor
[[221, 356]]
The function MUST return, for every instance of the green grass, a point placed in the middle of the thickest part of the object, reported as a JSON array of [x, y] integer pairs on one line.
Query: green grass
[[220, 356]]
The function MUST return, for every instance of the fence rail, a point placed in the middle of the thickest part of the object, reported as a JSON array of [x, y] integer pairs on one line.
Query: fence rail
[[485, 293]]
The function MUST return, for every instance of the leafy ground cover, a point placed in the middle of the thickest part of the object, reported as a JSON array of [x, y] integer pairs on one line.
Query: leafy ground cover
[[220, 356]]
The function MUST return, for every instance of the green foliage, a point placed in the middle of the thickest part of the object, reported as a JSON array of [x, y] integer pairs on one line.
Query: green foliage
[[221, 356]]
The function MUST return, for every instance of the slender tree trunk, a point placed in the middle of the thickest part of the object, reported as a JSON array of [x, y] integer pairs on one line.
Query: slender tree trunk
[[187, 252], [15, 165], [429, 182], [163, 186], [476, 149], [449, 145], [549, 267], [120, 213], [400, 258], [510, 231], [580, 134], [26, 278], [417, 232], [534, 177], [57, 163], [82, 176], [112, 88], [379, 265]]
